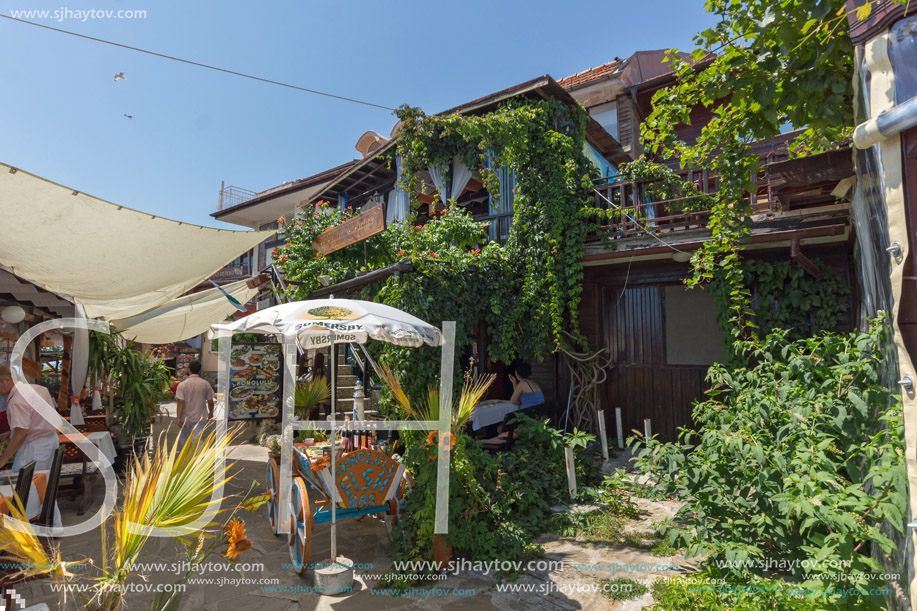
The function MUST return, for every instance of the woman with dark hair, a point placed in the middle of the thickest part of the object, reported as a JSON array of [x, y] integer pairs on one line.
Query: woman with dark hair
[[526, 393]]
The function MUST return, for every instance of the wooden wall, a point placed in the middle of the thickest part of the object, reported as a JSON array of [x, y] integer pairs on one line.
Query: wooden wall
[[623, 309]]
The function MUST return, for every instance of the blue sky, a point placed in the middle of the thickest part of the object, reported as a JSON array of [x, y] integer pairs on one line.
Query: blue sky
[[63, 113]]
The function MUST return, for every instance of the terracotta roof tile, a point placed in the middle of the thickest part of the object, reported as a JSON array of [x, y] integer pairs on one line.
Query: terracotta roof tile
[[589, 75]]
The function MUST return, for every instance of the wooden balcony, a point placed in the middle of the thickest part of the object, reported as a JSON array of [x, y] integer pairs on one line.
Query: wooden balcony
[[631, 210]]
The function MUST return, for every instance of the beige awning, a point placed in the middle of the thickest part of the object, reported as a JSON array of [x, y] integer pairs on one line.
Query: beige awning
[[115, 261], [184, 317]]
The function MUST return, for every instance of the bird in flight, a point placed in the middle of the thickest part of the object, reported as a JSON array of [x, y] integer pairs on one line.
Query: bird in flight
[[129, 116], [119, 76]]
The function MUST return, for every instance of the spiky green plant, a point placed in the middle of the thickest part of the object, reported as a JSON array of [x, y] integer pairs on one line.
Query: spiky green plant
[[309, 395], [473, 388]]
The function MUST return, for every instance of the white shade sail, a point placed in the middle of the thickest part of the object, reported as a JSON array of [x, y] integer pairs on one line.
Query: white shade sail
[[115, 261], [313, 324], [184, 317]]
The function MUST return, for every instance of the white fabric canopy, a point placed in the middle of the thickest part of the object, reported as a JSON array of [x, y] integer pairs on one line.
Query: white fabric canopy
[[115, 261], [351, 320], [184, 317]]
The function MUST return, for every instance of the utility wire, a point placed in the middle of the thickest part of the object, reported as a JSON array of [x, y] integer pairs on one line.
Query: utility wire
[[200, 65], [637, 223]]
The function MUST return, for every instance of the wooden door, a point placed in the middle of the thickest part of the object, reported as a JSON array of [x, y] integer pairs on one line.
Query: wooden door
[[641, 383]]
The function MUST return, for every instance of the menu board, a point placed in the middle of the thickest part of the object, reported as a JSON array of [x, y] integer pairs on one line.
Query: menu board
[[182, 360], [255, 381]]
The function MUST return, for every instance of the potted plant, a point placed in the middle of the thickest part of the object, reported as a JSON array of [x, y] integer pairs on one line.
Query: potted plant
[[309, 395], [138, 382]]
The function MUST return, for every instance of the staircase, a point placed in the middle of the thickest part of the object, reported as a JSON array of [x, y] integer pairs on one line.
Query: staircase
[[346, 382]]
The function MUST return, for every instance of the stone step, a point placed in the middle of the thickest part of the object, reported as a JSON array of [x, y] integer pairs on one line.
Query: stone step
[[347, 379]]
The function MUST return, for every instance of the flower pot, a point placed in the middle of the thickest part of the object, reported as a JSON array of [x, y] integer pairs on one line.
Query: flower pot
[[442, 551]]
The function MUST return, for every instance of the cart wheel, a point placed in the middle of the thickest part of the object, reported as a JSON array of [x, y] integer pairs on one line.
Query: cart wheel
[[273, 507], [394, 505], [301, 525]]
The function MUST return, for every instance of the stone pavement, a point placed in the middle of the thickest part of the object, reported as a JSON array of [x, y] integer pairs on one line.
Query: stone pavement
[[364, 541]]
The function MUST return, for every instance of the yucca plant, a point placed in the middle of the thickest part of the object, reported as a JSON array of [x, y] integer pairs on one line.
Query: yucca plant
[[22, 548], [171, 490], [473, 388], [309, 395]]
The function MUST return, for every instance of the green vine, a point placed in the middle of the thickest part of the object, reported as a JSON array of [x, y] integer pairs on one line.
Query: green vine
[[526, 293], [543, 142]]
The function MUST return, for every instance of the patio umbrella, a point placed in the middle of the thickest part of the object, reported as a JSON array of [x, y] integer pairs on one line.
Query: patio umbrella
[[319, 323], [349, 321]]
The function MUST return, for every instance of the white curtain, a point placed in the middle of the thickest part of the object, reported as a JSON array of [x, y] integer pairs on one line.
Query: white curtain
[[439, 176], [461, 174], [398, 203]]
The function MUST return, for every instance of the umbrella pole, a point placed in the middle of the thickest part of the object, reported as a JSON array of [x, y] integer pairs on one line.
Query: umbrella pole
[[334, 399]]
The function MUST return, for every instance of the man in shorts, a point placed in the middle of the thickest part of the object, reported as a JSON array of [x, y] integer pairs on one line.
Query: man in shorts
[[195, 404]]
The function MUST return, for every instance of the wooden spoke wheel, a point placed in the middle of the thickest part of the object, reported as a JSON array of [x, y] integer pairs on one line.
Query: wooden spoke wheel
[[394, 505], [273, 506], [301, 525]]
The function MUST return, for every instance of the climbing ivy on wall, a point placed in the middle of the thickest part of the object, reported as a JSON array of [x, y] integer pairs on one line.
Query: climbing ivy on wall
[[525, 293], [789, 297], [543, 142]]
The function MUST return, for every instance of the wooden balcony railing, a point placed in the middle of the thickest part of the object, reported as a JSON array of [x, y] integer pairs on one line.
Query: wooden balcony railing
[[631, 208]]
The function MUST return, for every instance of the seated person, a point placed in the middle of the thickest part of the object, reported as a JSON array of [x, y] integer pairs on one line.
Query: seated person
[[526, 393]]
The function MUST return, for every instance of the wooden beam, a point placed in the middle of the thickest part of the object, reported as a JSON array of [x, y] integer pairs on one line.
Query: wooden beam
[[361, 281], [797, 255]]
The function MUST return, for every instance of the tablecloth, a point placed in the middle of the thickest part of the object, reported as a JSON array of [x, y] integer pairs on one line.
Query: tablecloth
[[101, 440], [491, 412]]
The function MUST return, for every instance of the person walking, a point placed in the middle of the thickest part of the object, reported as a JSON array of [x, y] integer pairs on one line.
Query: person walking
[[195, 404]]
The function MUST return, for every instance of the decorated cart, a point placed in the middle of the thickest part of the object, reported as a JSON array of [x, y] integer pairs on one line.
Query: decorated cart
[[365, 482], [314, 484]]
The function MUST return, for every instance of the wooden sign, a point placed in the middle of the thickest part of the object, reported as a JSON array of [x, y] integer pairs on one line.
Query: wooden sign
[[351, 231], [364, 478]]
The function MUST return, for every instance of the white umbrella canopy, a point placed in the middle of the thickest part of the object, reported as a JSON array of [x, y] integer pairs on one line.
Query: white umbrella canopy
[[315, 323]]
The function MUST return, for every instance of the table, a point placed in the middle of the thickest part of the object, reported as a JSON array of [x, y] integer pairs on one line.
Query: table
[[491, 412], [33, 507], [101, 440]]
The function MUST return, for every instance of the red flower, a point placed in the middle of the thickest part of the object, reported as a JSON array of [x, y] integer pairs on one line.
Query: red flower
[[274, 252], [432, 254], [401, 253], [348, 209], [319, 204], [281, 220], [477, 251], [419, 227], [283, 258]]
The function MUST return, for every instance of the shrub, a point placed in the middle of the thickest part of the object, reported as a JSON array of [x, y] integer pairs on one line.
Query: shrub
[[786, 467]]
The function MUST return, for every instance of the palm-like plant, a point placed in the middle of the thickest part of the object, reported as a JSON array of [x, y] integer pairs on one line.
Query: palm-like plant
[[171, 490], [473, 388], [308, 395]]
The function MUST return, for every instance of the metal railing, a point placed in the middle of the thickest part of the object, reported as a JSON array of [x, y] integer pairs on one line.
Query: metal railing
[[232, 196]]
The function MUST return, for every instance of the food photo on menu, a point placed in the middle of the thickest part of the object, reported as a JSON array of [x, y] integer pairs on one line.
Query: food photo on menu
[[255, 381]]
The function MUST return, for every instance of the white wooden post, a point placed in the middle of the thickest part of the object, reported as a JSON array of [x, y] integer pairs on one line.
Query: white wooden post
[[647, 429], [571, 471], [602, 436], [620, 428]]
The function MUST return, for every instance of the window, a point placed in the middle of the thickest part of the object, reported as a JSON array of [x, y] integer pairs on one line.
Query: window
[[607, 117], [500, 210]]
